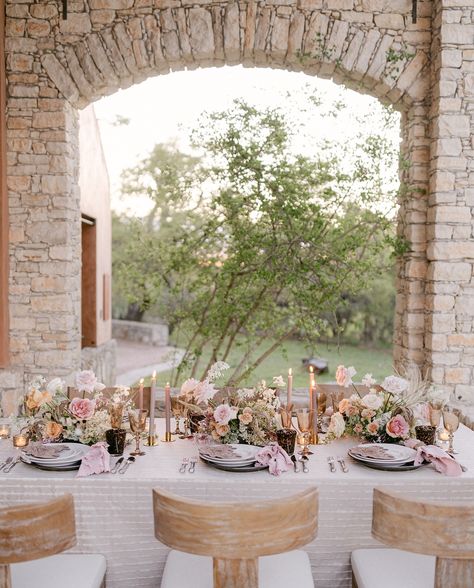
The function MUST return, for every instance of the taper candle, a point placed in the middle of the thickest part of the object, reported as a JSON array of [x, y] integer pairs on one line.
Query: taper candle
[[140, 395], [289, 388], [168, 409], [314, 408], [151, 430], [311, 387]]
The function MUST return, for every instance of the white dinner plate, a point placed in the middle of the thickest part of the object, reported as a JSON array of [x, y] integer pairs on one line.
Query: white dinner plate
[[246, 455], [75, 452], [399, 454]]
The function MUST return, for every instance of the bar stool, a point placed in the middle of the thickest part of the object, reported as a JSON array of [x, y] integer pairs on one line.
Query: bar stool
[[443, 533], [223, 541], [30, 537]]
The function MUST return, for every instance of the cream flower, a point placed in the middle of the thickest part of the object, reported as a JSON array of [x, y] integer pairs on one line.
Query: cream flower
[[368, 380], [56, 386], [373, 401], [188, 386], [337, 426], [395, 385], [344, 375]]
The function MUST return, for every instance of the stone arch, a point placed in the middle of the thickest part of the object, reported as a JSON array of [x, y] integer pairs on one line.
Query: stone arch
[[136, 47], [55, 67]]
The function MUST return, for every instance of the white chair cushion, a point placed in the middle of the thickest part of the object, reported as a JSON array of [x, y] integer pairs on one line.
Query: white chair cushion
[[183, 570], [60, 571], [392, 568]]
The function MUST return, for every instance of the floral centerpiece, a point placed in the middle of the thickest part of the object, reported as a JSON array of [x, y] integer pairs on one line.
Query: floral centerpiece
[[51, 416], [247, 416], [386, 414]]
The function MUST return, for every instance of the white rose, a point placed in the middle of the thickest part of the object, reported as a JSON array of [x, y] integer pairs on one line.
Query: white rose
[[55, 386], [373, 401], [337, 426], [395, 385]]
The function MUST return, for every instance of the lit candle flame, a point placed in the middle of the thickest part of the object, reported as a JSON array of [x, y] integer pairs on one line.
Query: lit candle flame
[[290, 372], [153, 377], [142, 381], [311, 368]]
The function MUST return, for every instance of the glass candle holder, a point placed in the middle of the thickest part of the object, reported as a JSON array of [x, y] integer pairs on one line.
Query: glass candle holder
[[5, 431], [20, 440]]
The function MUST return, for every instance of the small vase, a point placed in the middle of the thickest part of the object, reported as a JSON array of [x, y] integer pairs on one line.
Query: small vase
[[286, 440], [116, 440], [426, 434]]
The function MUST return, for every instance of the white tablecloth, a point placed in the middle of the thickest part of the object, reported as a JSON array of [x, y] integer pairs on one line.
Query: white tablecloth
[[114, 512]]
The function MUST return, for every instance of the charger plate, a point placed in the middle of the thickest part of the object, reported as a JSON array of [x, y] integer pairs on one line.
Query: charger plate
[[405, 467], [245, 469], [52, 468]]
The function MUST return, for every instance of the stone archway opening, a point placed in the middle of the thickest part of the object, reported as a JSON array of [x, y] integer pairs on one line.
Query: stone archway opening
[[160, 96]]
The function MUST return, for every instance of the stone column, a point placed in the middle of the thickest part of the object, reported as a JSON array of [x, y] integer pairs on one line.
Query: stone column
[[450, 285], [44, 208]]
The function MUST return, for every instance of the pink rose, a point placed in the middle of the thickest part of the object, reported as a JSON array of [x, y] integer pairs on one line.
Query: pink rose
[[344, 375], [397, 427], [224, 413], [82, 408]]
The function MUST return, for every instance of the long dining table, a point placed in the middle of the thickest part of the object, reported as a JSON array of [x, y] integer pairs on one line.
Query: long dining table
[[114, 514]]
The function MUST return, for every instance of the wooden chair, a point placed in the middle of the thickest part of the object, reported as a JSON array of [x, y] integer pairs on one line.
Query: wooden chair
[[227, 538], [442, 533], [39, 532]]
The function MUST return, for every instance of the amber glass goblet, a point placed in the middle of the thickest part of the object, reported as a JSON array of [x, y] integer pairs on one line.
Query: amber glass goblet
[[137, 419], [304, 416], [451, 424]]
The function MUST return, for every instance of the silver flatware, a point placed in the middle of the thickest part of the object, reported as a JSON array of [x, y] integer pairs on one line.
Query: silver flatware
[[192, 465], [295, 464], [304, 462], [126, 465], [342, 463], [332, 464], [117, 465], [184, 465], [11, 465], [6, 462]]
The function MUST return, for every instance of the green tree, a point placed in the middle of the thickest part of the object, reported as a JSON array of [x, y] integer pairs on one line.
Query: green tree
[[277, 240]]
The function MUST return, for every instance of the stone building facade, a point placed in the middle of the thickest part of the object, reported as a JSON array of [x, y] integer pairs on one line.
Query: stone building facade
[[425, 69]]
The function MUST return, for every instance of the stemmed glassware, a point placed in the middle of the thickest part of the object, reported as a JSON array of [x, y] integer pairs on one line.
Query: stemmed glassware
[[286, 414], [177, 410], [304, 417], [137, 419], [336, 398], [451, 424]]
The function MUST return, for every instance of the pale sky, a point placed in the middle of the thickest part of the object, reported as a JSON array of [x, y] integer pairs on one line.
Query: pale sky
[[167, 107]]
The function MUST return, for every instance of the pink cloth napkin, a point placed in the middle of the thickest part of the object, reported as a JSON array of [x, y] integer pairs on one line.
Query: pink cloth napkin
[[276, 458], [442, 461], [96, 461]]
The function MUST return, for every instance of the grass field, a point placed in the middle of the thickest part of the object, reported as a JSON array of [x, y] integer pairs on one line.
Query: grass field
[[375, 361]]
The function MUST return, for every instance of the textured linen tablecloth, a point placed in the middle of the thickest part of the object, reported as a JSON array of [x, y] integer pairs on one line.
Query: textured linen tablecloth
[[114, 513]]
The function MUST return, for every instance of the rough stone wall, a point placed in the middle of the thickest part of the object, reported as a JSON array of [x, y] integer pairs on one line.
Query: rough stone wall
[[450, 250], [55, 66]]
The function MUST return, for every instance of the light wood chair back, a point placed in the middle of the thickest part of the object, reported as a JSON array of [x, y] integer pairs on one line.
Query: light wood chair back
[[443, 530], [235, 534], [33, 531]]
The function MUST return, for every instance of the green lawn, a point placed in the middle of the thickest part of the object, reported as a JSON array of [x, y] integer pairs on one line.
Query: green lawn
[[375, 361]]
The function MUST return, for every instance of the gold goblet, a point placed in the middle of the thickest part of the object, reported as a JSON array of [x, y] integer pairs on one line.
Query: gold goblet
[[177, 410], [137, 419], [304, 417], [286, 417], [451, 424]]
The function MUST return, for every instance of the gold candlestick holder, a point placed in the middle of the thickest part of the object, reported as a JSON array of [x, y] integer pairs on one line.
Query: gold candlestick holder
[[151, 441], [168, 438]]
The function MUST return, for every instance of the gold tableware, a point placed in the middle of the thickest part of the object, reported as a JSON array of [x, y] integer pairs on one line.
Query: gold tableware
[[304, 418], [137, 419], [451, 424]]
